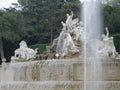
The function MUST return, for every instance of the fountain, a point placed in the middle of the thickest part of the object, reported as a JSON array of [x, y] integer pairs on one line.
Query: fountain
[[92, 25], [81, 58]]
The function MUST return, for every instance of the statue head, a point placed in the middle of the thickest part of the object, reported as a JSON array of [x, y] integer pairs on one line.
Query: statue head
[[103, 35], [67, 15], [106, 28], [23, 44], [81, 24]]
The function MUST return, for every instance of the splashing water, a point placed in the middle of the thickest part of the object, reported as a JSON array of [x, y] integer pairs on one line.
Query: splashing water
[[92, 28]]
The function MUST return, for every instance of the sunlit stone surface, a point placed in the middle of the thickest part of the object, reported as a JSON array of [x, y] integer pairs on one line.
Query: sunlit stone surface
[[57, 75], [55, 85], [58, 70]]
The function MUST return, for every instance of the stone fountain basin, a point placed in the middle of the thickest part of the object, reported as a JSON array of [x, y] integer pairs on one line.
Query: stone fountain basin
[[60, 85], [60, 70]]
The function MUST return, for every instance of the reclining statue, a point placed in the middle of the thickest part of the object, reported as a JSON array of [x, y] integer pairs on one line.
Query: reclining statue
[[109, 47], [25, 53], [68, 45]]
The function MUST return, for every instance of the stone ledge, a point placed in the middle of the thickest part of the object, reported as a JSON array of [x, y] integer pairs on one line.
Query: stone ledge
[[59, 85], [59, 70]]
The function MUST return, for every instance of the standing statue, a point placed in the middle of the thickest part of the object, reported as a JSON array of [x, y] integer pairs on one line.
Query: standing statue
[[69, 21], [106, 37], [61, 38]]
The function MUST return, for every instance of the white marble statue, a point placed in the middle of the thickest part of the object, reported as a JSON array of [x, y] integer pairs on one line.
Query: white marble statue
[[68, 45], [25, 53], [78, 33], [21, 52], [109, 47], [61, 38], [31, 54], [75, 23], [64, 26], [23, 44], [73, 37], [69, 21], [71, 31]]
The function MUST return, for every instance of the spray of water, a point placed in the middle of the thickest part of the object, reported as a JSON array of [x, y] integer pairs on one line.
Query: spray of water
[[92, 28]]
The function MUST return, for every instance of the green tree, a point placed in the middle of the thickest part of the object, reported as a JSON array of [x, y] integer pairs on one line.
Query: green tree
[[39, 21], [111, 18], [45, 17], [112, 21], [11, 27], [115, 3]]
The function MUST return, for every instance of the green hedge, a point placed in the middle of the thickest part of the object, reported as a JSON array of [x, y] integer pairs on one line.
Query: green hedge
[[117, 42], [41, 47]]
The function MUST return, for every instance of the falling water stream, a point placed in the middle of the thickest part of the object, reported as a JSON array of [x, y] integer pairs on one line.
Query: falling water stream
[[92, 19]]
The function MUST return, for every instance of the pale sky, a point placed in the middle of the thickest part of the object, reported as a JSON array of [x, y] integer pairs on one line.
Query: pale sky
[[6, 3]]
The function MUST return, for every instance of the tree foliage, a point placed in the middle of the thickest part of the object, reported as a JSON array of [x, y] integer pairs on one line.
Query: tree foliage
[[112, 21], [39, 21], [12, 25], [115, 3], [45, 16], [12, 28]]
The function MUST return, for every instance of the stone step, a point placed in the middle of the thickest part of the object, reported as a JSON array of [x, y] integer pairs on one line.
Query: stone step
[[60, 70], [60, 85]]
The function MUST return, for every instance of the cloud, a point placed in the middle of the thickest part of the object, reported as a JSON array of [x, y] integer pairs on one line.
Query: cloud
[[6, 3]]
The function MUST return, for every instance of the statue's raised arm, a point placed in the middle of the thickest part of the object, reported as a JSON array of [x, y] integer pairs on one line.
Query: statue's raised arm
[[69, 21], [64, 26], [72, 14], [107, 32]]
